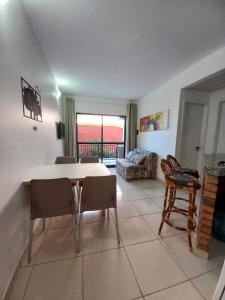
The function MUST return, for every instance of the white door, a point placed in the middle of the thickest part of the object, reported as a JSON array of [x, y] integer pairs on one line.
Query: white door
[[193, 135]]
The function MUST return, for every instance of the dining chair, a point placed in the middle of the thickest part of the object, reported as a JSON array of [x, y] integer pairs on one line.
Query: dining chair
[[51, 198], [65, 160], [98, 193], [89, 159]]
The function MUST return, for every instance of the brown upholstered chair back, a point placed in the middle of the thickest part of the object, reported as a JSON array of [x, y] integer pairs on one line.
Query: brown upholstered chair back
[[173, 163], [65, 160], [98, 193], [51, 198], [89, 159]]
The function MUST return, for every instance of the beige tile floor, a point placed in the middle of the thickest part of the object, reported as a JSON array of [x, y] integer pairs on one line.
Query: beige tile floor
[[146, 266]]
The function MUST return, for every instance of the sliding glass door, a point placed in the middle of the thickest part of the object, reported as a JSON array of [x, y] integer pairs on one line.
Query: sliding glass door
[[100, 135]]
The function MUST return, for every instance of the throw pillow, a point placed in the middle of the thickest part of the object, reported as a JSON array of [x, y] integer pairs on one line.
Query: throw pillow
[[138, 159], [129, 155]]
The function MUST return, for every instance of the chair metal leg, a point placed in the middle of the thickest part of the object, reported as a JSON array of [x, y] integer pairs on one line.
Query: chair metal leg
[[78, 189], [117, 226], [75, 230], [79, 233], [43, 224], [108, 213], [30, 241], [77, 197]]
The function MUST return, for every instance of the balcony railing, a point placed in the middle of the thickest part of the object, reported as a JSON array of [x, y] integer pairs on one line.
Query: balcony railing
[[107, 152]]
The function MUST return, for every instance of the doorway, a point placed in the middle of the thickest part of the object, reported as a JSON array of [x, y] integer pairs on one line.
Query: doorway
[[193, 135]]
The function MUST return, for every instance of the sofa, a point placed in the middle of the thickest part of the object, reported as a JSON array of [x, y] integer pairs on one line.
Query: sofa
[[138, 164]]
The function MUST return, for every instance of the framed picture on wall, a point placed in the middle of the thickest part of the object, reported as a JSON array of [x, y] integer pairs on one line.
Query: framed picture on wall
[[31, 102], [156, 121]]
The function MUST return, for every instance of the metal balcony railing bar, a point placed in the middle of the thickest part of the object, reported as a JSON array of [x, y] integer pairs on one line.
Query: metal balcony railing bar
[[105, 151]]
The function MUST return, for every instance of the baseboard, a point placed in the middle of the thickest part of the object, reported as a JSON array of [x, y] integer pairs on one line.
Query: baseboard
[[13, 277], [8, 290]]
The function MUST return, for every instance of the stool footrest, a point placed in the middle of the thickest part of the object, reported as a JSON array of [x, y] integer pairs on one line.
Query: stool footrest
[[173, 225]]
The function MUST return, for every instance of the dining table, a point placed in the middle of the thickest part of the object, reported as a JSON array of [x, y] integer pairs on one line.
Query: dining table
[[75, 172]]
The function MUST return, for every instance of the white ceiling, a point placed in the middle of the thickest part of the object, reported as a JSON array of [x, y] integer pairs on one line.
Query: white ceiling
[[123, 49]]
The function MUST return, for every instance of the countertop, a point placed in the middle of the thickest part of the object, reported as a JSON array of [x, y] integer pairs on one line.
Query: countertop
[[211, 167]]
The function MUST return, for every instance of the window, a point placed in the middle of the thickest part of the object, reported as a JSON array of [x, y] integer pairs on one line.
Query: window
[[100, 135]]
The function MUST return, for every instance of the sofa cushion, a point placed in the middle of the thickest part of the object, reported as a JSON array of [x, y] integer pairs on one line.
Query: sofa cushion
[[125, 162], [138, 158], [130, 155]]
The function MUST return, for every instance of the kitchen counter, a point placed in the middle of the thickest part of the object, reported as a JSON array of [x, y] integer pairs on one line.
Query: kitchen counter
[[211, 167], [213, 191]]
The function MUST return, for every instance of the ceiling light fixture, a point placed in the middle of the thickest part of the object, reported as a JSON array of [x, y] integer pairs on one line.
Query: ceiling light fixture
[[2, 2], [58, 93]]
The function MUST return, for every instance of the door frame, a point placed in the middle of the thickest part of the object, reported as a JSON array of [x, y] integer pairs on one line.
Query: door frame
[[183, 104], [220, 288], [219, 115]]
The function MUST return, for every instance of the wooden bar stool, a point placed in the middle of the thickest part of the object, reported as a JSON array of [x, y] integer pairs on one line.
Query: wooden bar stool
[[176, 167], [173, 182]]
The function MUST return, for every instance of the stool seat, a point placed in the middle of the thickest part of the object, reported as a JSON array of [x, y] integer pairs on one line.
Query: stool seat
[[191, 172], [186, 171], [184, 180], [175, 166]]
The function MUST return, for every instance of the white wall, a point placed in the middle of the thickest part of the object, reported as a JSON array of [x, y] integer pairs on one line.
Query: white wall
[[21, 148], [100, 106], [167, 96]]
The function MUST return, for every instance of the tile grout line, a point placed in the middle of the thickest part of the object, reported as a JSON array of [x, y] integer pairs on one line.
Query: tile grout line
[[173, 258], [133, 272], [209, 271], [129, 262], [195, 287], [28, 282], [158, 238], [167, 288], [201, 276], [105, 250], [32, 266]]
